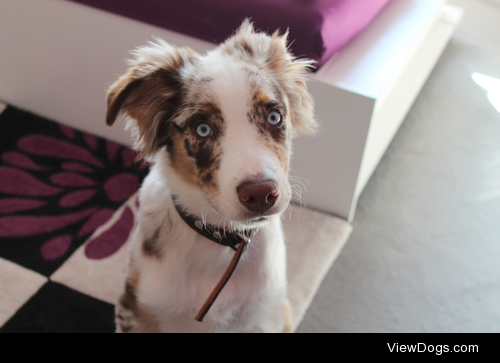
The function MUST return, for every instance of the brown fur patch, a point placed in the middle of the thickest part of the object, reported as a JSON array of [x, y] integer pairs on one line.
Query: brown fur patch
[[276, 133], [151, 246], [240, 48], [147, 90], [213, 113], [246, 48], [283, 154], [197, 159], [263, 104], [292, 74], [261, 98], [130, 316], [129, 297], [181, 161], [128, 307]]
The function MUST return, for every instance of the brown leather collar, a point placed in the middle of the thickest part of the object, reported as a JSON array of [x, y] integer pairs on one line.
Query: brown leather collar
[[220, 236]]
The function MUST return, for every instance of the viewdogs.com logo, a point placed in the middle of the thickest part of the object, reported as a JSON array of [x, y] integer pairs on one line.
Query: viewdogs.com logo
[[430, 348]]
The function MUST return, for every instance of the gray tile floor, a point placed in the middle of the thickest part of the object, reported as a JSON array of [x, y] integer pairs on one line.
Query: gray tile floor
[[425, 252]]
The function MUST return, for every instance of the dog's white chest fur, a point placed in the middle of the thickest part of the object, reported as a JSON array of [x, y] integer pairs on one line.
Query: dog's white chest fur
[[175, 287]]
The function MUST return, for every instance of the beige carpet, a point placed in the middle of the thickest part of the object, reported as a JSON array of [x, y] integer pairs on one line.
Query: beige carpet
[[314, 241]]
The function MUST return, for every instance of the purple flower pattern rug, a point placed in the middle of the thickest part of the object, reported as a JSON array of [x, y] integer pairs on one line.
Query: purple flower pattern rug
[[57, 185]]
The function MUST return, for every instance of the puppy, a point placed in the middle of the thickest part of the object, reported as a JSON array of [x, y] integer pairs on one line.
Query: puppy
[[217, 129]]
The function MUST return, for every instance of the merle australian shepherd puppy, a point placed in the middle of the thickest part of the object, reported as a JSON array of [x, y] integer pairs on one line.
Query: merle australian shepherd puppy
[[217, 129]]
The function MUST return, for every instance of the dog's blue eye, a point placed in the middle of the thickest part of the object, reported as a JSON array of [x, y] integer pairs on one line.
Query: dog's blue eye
[[204, 130], [274, 118]]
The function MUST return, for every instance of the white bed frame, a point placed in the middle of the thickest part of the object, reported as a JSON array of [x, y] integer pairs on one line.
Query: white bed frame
[[57, 59]]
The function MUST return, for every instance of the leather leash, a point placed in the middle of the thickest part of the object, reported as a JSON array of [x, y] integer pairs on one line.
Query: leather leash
[[225, 278]]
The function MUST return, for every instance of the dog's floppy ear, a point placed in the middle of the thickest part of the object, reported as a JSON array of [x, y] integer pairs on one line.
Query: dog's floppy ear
[[149, 94], [290, 71]]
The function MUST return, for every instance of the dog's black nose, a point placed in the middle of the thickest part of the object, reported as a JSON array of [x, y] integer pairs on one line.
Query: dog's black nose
[[257, 197]]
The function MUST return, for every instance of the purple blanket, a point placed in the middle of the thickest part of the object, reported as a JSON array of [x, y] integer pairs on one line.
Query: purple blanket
[[318, 28]]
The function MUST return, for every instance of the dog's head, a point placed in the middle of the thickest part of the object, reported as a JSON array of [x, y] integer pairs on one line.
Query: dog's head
[[219, 124]]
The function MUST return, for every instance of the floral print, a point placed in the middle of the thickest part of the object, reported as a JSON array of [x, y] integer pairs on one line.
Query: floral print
[[58, 188]]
